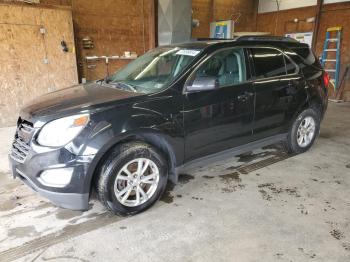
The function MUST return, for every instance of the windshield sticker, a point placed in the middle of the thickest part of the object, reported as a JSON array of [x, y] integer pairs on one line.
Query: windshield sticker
[[188, 52]]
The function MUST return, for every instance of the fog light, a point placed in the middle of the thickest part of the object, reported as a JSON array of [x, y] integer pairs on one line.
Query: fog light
[[59, 177]]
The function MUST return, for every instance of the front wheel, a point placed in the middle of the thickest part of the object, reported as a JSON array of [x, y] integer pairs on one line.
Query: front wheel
[[132, 178], [303, 131]]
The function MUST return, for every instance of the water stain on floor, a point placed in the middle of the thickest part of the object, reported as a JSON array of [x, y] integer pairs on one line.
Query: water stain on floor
[[66, 214], [167, 197], [68, 232], [325, 135], [185, 178], [337, 234], [20, 232], [232, 182], [27, 209], [9, 204], [208, 177], [250, 156], [269, 189], [346, 246], [231, 176], [309, 254]]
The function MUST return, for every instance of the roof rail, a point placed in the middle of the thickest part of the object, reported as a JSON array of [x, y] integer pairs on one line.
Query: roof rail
[[215, 39], [265, 38]]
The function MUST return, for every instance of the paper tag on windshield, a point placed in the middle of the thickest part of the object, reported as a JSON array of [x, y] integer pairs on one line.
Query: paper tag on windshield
[[188, 52]]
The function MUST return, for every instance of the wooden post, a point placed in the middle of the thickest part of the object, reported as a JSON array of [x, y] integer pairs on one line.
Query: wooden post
[[152, 24], [317, 23]]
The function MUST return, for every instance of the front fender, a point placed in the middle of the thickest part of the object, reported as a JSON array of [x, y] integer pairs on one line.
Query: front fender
[[162, 132]]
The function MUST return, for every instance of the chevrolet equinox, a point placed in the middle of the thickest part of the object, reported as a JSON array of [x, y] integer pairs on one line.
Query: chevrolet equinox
[[125, 136]]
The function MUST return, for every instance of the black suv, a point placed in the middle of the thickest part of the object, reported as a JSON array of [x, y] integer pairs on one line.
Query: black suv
[[127, 135]]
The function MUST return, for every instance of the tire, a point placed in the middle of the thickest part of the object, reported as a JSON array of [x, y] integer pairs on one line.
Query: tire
[[294, 146], [113, 178]]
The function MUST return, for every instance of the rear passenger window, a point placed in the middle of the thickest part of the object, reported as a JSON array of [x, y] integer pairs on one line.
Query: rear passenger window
[[268, 62]]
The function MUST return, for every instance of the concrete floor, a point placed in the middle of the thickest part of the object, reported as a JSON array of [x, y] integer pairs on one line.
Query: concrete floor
[[262, 206]]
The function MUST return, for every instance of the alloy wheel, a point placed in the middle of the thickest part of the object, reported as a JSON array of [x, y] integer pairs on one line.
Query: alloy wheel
[[306, 131], [136, 182]]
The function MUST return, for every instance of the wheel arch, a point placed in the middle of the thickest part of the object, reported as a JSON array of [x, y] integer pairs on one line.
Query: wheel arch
[[314, 102], [155, 139]]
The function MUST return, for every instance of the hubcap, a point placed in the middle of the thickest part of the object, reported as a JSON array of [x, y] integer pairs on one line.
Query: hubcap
[[136, 182], [306, 131]]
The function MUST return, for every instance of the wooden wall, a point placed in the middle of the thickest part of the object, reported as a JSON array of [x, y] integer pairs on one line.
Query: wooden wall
[[207, 11], [115, 26], [332, 15], [33, 63], [279, 23]]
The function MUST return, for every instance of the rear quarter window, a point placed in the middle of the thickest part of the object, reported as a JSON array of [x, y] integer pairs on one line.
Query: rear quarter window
[[307, 56]]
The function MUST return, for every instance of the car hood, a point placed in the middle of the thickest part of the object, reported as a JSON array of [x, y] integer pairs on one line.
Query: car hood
[[72, 100]]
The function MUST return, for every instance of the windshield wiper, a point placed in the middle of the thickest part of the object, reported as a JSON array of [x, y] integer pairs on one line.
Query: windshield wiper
[[122, 85]]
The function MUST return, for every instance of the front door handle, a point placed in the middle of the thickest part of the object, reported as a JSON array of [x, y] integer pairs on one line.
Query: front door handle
[[245, 96]]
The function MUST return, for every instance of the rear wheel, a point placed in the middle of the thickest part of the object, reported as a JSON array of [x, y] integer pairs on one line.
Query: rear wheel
[[132, 178], [303, 131]]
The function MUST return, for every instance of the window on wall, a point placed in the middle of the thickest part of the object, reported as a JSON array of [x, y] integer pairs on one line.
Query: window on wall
[[268, 62], [228, 67]]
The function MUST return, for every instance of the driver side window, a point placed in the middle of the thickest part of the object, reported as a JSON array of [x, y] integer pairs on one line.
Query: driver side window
[[227, 67]]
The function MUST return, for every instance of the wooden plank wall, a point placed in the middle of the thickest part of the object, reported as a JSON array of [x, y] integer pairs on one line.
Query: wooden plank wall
[[24, 74], [332, 15], [115, 26], [207, 11]]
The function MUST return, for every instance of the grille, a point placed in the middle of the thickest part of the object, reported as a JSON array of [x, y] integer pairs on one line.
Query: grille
[[20, 146]]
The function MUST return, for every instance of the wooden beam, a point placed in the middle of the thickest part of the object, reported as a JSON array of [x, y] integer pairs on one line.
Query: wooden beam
[[317, 23], [152, 24]]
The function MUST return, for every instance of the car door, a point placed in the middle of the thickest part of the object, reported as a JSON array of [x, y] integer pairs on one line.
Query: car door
[[220, 118], [275, 87]]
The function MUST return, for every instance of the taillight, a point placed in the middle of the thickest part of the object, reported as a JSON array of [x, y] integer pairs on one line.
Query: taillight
[[326, 79]]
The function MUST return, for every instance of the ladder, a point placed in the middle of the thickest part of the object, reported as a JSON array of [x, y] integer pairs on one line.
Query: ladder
[[333, 36]]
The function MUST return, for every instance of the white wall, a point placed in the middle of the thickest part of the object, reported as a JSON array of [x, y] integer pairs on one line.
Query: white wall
[[270, 5]]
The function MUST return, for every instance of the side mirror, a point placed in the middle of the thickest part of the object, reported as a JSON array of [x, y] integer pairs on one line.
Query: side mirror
[[203, 84]]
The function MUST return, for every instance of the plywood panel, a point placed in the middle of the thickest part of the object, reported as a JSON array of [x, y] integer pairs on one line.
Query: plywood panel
[[23, 74], [62, 65], [23, 49], [13, 14]]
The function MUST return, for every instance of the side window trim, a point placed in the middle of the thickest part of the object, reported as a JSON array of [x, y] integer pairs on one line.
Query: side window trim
[[297, 68]]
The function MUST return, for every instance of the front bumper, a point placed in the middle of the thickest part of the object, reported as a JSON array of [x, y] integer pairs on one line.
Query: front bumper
[[74, 195]]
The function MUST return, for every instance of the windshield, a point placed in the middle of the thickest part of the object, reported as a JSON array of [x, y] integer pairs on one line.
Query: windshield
[[154, 70]]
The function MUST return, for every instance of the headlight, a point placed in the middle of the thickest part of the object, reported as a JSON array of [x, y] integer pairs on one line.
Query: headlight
[[61, 131]]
